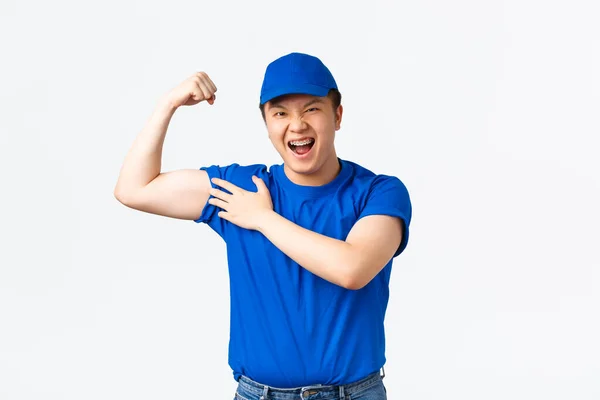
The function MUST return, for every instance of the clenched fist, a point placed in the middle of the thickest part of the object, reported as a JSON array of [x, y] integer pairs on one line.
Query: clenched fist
[[193, 90]]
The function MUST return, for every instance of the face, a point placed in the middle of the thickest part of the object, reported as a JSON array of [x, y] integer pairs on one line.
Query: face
[[302, 129]]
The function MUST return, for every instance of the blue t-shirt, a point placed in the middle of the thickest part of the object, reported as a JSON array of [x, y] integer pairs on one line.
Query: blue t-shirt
[[289, 327]]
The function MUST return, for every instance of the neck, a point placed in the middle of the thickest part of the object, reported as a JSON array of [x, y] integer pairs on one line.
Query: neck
[[322, 176]]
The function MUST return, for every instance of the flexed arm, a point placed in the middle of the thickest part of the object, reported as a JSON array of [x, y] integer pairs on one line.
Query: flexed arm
[[141, 184]]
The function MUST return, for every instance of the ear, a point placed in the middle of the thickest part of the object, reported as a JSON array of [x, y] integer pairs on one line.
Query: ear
[[338, 117]]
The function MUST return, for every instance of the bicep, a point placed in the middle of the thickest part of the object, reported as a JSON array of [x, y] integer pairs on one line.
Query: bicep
[[375, 239], [177, 194]]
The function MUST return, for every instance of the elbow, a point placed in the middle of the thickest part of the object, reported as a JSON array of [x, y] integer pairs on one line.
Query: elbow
[[123, 196], [355, 284], [359, 274], [354, 279], [119, 195]]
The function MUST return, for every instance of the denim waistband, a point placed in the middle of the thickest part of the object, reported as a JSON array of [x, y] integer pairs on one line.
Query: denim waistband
[[307, 392]]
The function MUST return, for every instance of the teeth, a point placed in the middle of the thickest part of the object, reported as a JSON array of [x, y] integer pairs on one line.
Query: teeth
[[301, 142]]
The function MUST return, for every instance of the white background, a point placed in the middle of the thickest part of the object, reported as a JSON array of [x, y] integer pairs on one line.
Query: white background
[[486, 110]]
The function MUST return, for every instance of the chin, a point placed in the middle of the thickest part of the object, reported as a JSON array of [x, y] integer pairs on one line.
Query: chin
[[303, 169]]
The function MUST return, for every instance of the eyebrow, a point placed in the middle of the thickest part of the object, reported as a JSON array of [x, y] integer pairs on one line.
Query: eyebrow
[[313, 101]]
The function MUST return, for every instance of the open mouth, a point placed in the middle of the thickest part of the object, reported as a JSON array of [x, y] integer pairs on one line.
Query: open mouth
[[301, 147]]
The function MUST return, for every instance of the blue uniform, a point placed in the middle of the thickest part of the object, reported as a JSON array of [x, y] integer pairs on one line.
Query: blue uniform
[[289, 327]]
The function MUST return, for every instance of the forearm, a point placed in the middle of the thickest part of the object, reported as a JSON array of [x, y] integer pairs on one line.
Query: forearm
[[331, 259], [143, 161]]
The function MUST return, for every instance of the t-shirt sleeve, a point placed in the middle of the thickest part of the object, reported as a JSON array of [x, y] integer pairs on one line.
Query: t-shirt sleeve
[[210, 212], [389, 196]]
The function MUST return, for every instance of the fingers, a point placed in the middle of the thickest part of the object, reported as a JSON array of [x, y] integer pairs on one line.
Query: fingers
[[226, 185], [218, 203], [205, 82], [208, 81], [260, 184], [205, 89], [196, 88], [224, 215], [205, 78], [233, 189], [197, 93], [220, 194]]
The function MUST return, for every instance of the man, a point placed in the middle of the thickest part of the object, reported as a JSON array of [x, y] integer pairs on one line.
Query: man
[[310, 242]]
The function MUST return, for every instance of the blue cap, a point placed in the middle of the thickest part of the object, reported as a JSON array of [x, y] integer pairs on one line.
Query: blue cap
[[296, 73]]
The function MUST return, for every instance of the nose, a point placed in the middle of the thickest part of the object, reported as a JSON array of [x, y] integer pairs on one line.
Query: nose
[[297, 124]]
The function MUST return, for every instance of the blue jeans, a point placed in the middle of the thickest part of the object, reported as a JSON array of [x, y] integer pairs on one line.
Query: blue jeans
[[369, 388]]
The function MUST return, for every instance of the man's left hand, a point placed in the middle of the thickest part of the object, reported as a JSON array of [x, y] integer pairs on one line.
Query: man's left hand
[[242, 208]]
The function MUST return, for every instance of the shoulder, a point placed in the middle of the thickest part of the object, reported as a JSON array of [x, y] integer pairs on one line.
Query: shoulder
[[383, 195], [236, 168], [239, 175], [374, 182]]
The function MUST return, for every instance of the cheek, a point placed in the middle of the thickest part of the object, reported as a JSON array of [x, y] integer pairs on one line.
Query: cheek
[[323, 123], [275, 137], [276, 131], [326, 132]]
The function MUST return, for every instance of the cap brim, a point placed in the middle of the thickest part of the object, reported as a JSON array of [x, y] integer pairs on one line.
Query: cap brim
[[305, 88]]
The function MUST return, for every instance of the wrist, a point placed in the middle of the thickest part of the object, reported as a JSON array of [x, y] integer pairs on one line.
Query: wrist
[[265, 220], [166, 105]]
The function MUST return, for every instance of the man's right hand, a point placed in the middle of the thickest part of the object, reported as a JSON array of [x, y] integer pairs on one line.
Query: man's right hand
[[193, 90]]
